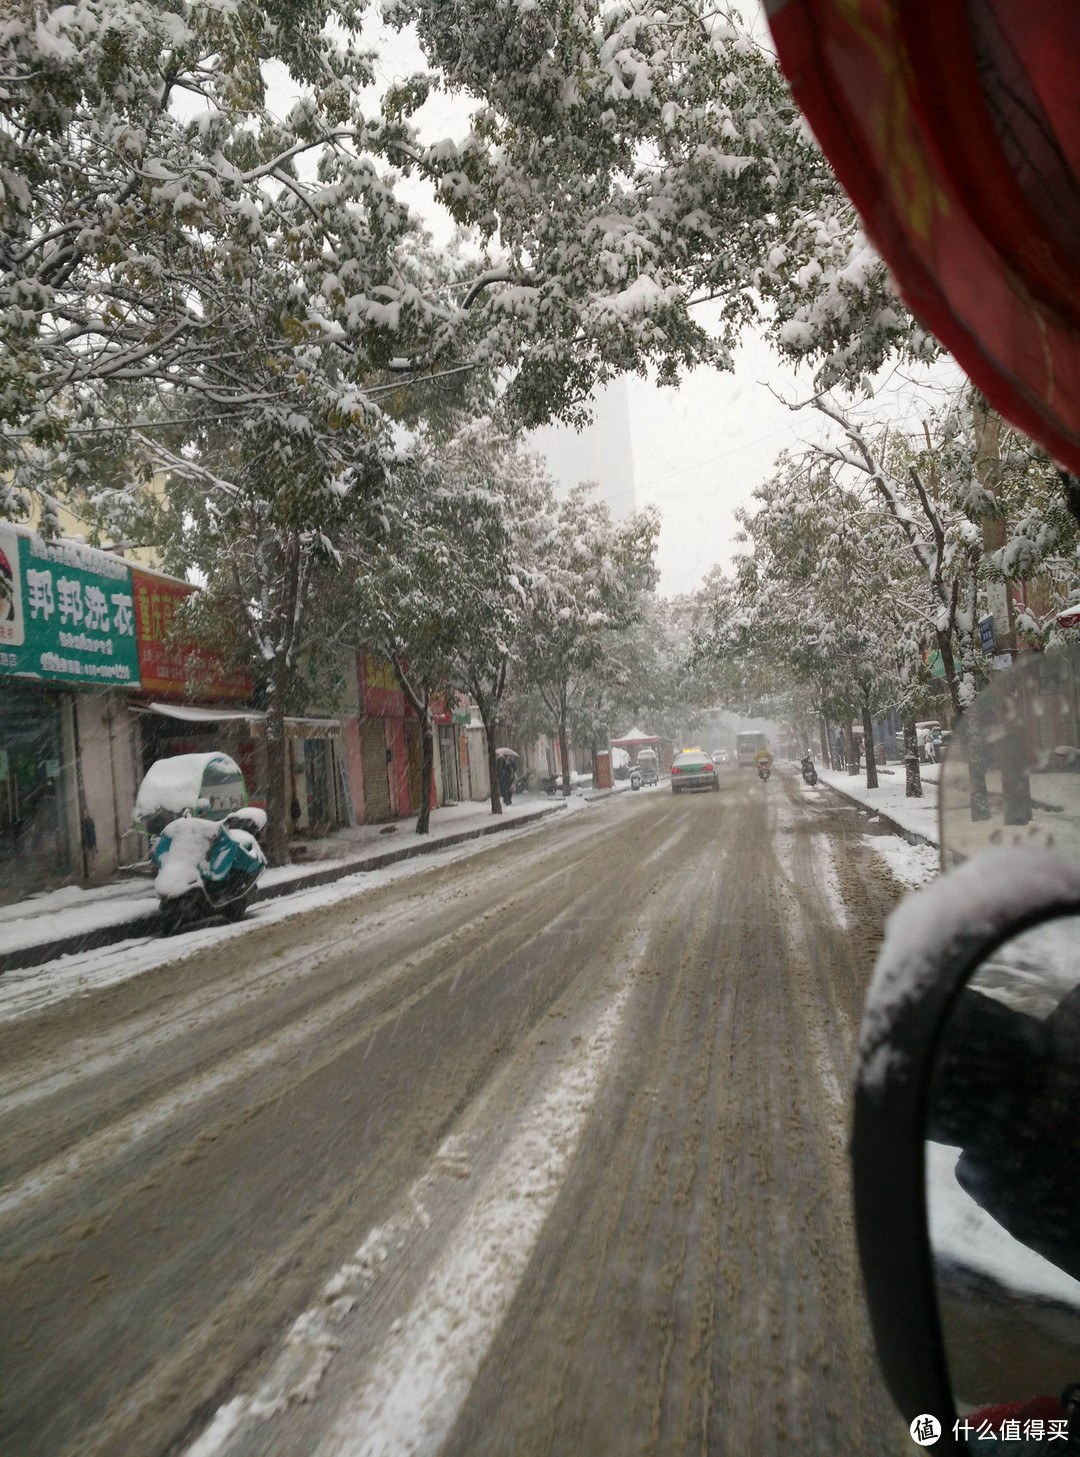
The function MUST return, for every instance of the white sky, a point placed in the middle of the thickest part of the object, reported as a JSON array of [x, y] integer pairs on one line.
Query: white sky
[[699, 450]]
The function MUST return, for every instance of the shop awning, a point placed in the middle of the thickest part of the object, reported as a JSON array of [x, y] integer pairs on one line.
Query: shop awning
[[312, 728], [634, 736], [189, 713], [306, 727]]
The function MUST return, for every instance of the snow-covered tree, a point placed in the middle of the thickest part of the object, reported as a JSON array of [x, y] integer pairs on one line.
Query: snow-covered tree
[[511, 506], [871, 555], [625, 163], [149, 196], [638, 679], [596, 577], [826, 595], [264, 520]]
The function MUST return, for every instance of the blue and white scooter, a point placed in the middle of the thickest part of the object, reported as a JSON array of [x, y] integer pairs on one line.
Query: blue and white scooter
[[204, 834]]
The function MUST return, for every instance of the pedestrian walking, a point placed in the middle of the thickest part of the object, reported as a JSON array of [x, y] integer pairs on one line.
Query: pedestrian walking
[[504, 769]]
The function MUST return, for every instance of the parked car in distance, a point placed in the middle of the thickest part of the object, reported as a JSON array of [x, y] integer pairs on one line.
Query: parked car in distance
[[693, 769]]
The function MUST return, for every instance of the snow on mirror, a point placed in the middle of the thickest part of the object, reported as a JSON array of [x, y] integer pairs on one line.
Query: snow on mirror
[[1003, 1174], [1011, 774]]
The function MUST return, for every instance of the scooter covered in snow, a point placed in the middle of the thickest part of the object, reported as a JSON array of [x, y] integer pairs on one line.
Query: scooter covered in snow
[[809, 769], [205, 849]]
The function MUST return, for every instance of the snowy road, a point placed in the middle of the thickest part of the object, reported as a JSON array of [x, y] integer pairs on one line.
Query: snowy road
[[540, 1150]]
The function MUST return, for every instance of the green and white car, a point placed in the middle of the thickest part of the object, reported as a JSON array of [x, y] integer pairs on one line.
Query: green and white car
[[693, 769]]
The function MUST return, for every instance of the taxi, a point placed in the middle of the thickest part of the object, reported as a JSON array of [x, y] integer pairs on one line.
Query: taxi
[[693, 769]]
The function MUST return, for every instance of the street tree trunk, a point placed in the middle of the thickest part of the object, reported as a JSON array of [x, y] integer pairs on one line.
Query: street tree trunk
[[975, 743], [488, 704], [487, 714], [564, 748], [849, 749], [419, 695], [913, 786], [278, 807], [868, 747], [970, 658], [948, 662], [427, 771], [1012, 754], [493, 768], [826, 755], [281, 649], [1015, 784]]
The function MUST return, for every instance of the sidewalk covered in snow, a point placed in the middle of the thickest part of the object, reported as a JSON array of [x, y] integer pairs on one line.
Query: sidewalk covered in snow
[[76, 911], [915, 816]]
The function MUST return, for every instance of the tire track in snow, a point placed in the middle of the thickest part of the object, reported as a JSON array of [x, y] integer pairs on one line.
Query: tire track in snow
[[120, 1138], [83, 1058], [30, 991], [420, 1375]]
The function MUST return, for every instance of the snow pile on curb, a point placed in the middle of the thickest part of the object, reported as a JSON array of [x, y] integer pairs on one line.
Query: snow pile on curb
[[916, 816]]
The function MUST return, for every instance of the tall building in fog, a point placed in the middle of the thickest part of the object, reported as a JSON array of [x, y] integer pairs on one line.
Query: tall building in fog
[[602, 452]]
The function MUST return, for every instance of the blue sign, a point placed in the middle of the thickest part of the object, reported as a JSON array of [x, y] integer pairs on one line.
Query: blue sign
[[986, 636]]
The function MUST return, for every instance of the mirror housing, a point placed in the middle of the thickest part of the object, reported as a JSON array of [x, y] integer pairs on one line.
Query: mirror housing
[[935, 941]]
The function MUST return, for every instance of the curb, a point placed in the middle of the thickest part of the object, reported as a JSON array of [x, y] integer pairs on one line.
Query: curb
[[893, 826], [44, 951]]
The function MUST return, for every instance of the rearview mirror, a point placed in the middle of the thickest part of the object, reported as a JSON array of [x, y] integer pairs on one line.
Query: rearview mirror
[[1003, 1184], [966, 1155]]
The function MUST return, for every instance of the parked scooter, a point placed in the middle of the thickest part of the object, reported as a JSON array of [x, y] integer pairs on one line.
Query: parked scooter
[[809, 769], [205, 846], [635, 778], [648, 767]]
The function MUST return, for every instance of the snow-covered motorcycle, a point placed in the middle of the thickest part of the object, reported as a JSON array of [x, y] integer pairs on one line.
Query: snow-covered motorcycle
[[205, 846]]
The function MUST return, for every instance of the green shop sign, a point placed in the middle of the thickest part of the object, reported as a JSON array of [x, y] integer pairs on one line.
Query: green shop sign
[[66, 613]]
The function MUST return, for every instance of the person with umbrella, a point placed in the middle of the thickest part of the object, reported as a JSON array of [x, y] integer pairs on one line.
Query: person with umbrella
[[505, 770]]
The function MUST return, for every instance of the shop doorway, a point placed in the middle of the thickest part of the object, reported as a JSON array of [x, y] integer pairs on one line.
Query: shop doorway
[[39, 826], [413, 759], [319, 779], [448, 763], [376, 778]]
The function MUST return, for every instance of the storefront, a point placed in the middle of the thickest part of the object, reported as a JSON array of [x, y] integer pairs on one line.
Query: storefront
[[190, 702], [321, 788], [376, 780], [68, 657], [382, 729], [97, 684], [167, 729], [448, 755]]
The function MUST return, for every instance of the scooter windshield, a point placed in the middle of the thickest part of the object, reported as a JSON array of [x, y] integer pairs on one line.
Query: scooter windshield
[[1011, 774]]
